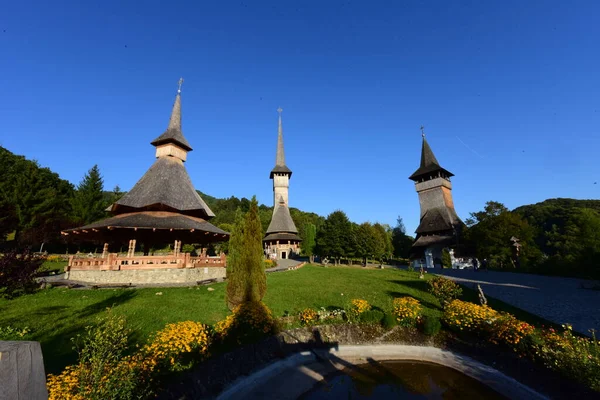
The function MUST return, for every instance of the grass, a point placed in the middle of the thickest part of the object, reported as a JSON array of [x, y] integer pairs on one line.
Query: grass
[[58, 314], [57, 267]]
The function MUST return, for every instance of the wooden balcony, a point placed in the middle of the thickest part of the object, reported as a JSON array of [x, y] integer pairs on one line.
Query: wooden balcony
[[116, 262]]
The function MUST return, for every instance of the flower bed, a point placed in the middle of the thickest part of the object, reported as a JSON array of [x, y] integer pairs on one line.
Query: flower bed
[[407, 311]]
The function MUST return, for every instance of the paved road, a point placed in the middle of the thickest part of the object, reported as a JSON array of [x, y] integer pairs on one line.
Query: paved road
[[561, 300], [284, 265]]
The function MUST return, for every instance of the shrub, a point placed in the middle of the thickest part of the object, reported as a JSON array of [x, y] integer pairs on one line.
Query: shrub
[[431, 326], [270, 264], [410, 268], [249, 322], [407, 311], [102, 371], [389, 321], [464, 316], [179, 345], [508, 330], [11, 333], [357, 307], [575, 357], [18, 272], [445, 290], [308, 316], [371, 317]]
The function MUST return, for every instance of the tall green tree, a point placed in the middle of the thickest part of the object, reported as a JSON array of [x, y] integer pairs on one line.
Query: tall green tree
[[490, 231], [383, 242], [88, 202], [364, 241], [253, 255], [34, 201], [236, 271], [401, 242], [309, 241], [334, 239], [246, 278]]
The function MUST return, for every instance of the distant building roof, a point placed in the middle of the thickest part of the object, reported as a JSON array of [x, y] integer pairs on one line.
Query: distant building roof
[[282, 220], [429, 164]]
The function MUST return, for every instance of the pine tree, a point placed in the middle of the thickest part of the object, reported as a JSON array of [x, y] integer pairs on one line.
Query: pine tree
[[236, 274], [309, 241], [252, 255], [88, 202]]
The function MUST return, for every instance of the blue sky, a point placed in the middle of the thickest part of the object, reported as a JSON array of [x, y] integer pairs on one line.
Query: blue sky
[[508, 92]]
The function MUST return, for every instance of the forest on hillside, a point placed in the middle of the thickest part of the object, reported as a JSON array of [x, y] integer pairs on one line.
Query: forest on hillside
[[557, 236]]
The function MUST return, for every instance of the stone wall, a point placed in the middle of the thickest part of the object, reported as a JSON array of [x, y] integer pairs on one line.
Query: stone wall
[[148, 276]]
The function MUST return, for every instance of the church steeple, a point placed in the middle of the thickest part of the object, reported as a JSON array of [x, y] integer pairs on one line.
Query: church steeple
[[280, 167], [172, 142], [430, 167]]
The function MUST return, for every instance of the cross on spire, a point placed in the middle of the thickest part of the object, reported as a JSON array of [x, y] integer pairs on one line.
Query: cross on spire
[[180, 82], [422, 131], [280, 110]]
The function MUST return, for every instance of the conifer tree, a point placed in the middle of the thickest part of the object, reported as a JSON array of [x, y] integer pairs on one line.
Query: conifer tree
[[88, 202], [252, 255], [309, 241], [236, 276]]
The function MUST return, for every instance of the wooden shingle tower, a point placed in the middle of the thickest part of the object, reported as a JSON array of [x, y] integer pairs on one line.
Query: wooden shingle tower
[[439, 225], [281, 240]]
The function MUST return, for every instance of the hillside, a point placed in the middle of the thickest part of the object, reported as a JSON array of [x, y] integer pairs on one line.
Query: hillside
[[555, 216]]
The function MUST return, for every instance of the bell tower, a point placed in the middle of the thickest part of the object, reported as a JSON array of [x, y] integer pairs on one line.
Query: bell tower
[[439, 224]]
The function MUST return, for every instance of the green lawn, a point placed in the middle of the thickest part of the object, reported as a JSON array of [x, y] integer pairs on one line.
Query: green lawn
[[56, 315], [57, 267]]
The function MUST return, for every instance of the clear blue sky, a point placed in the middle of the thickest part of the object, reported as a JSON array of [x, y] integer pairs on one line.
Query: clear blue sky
[[508, 92]]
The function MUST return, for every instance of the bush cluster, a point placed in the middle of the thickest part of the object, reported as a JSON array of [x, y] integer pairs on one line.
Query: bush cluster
[[249, 322], [104, 372], [308, 316], [356, 308], [407, 311], [573, 356], [18, 272], [13, 333], [444, 289]]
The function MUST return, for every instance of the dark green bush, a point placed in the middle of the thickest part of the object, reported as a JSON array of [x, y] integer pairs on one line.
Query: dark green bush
[[389, 321], [431, 326], [371, 317]]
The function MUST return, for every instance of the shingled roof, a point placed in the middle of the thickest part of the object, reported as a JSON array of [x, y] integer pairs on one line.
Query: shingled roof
[[173, 134], [282, 220], [165, 186], [280, 166], [429, 164], [437, 220], [153, 220]]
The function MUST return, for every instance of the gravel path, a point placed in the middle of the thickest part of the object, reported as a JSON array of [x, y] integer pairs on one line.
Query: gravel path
[[560, 300]]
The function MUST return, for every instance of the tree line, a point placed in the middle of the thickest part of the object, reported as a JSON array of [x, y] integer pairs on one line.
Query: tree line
[[36, 204], [557, 236]]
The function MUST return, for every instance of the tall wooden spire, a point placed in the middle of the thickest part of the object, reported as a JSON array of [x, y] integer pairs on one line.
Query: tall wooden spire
[[280, 167]]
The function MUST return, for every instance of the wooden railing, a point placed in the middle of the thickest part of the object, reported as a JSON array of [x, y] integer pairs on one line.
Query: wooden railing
[[115, 262]]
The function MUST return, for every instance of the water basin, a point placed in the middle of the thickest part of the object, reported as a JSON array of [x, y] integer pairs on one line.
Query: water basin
[[400, 380]]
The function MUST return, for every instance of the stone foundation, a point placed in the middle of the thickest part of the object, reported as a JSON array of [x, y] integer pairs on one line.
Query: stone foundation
[[147, 276]]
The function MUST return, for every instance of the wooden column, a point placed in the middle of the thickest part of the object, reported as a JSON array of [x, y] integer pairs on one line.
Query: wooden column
[[105, 250], [131, 251]]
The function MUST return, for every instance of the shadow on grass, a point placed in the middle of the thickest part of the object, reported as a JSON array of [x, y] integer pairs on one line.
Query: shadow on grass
[[112, 301]]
